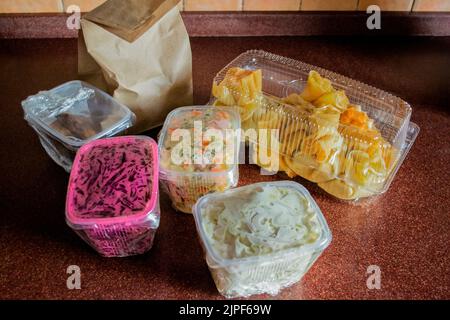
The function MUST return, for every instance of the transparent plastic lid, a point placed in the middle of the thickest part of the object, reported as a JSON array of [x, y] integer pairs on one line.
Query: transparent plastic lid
[[113, 180], [76, 112], [199, 140], [291, 224], [332, 130]]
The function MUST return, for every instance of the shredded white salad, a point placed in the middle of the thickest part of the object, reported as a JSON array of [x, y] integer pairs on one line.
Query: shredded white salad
[[260, 221]]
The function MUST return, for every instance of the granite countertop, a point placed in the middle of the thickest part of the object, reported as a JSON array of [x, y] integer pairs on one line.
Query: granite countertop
[[405, 231]]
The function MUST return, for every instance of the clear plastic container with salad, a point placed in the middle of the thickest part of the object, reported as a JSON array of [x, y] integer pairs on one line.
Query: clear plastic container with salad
[[112, 199], [199, 152], [260, 238], [72, 114]]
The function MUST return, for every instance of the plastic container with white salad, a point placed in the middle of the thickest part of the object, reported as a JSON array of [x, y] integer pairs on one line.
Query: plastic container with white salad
[[260, 238]]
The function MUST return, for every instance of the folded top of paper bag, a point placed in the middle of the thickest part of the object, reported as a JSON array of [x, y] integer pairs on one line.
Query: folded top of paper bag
[[129, 19]]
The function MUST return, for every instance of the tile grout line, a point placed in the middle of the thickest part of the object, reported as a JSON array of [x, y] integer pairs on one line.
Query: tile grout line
[[61, 6]]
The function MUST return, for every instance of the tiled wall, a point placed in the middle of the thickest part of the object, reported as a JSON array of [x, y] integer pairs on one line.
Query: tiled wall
[[36, 6]]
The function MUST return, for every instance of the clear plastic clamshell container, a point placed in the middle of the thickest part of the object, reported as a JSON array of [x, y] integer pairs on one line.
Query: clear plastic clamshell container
[[346, 136], [70, 115], [199, 153], [260, 238], [112, 199]]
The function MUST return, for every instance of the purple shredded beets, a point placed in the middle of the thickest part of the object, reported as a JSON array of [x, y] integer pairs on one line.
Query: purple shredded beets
[[113, 180]]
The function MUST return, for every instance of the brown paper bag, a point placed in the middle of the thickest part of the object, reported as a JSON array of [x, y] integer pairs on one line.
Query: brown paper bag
[[139, 52]]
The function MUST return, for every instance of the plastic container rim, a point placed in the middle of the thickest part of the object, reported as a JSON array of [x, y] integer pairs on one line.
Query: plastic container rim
[[129, 117], [332, 76]]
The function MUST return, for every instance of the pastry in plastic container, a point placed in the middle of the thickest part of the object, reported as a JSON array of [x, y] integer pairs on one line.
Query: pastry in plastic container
[[199, 152], [260, 238], [347, 137], [112, 200], [72, 114]]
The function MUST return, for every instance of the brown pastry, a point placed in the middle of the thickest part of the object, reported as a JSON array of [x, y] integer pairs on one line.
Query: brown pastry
[[76, 126]]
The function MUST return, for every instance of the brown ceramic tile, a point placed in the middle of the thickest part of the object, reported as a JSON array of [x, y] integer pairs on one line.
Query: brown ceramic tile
[[271, 5], [329, 5], [212, 5], [432, 5], [181, 5], [30, 6], [88, 5], [387, 5], [85, 5]]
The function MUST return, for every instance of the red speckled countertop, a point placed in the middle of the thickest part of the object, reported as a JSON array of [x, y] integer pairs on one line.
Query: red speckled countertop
[[405, 232]]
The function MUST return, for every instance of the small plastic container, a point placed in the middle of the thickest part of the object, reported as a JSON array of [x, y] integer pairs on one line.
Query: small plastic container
[[337, 156], [70, 115], [205, 165], [269, 272], [112, 199]]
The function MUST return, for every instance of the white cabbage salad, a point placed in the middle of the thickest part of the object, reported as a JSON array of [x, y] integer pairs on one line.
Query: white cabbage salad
[[259, 221]]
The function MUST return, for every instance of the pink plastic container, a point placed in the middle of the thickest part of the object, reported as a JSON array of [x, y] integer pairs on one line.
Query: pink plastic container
[[113, 200]]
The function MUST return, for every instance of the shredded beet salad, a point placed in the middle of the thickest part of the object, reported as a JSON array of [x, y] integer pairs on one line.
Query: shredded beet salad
[[113, 180]]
